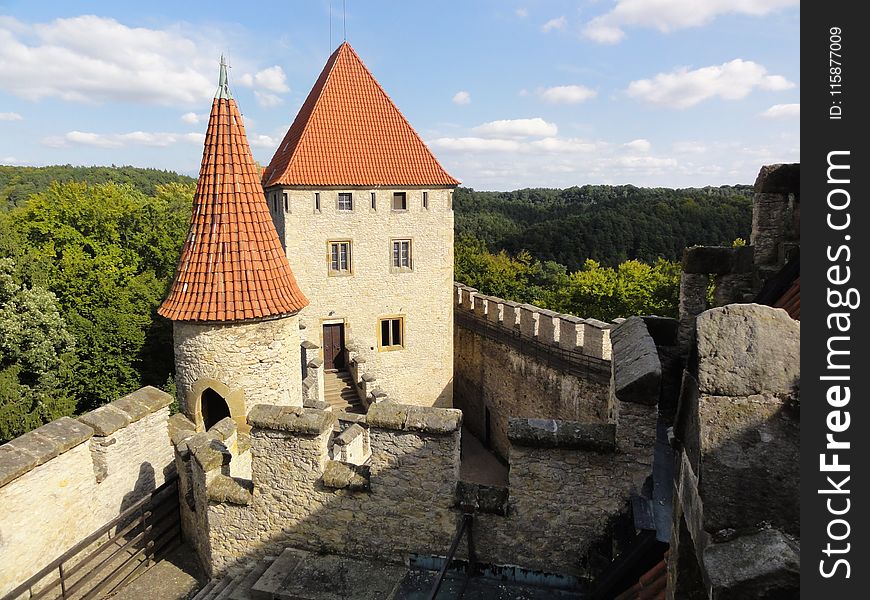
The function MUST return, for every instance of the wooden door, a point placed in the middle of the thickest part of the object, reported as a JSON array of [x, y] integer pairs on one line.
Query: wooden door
[[333, 346]]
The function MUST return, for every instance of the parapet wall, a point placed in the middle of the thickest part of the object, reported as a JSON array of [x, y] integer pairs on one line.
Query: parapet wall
[[407, 498], [581, 337], [737, 468], [513, 360], [80, 473]]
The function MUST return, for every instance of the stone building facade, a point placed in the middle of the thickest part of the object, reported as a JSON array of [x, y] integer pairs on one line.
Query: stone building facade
[[365, 215]]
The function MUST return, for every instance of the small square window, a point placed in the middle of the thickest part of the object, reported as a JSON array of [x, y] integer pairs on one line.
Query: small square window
[[400, 201], [374, 201], [425, 199], [392, 333], [339, 258], [401, 258], [345, 201], [317, 201]]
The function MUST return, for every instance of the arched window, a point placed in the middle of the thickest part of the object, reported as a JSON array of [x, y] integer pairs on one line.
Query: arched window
[[214, 408]]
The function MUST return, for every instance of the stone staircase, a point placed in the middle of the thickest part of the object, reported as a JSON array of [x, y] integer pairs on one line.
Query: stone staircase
[[340, 393], [300, 575]]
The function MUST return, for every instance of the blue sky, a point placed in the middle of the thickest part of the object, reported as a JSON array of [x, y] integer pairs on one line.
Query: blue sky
[[531, 93]]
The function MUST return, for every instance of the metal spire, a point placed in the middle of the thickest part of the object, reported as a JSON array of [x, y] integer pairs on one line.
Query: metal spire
[[223, 90]]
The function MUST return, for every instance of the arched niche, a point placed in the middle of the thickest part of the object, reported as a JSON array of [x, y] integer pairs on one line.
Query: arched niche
[[210, 390]]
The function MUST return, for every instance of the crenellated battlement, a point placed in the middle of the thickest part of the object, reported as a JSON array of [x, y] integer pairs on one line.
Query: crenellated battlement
[[570, 337]]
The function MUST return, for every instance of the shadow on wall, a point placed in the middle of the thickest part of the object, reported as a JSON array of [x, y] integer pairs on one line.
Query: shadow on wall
[[404, 501], [146, 483]]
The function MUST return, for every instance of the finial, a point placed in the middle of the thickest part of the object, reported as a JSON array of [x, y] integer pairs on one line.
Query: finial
[[223, 90]]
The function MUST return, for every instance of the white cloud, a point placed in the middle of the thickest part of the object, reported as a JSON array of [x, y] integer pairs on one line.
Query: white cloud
[[671, 15], [271, 79], [11, 160], [782, 111], [263, 141], [567, 94], [10, 116], [267, 100], [682, 88], [462, 97], [521, 13], [118, 140], [192, 118], [552, 24], [689, 147], [517, 128], [476, 144], [98, 59], [639, 145]]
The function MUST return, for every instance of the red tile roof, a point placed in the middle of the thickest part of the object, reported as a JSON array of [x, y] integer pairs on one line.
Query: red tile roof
[[651, 585], [349, 132], [232, 265]]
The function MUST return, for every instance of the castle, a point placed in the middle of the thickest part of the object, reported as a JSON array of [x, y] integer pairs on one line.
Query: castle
[[332, 270]]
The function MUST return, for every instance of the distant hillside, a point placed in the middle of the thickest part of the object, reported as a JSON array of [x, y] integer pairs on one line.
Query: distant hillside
[[609, 224], [18, 183]]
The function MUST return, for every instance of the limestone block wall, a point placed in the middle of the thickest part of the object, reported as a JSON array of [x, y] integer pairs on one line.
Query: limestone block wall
[[246, 363], [421, 371], [404, 505], [737, 470], [567, 481], [79, 474], [516, 379]]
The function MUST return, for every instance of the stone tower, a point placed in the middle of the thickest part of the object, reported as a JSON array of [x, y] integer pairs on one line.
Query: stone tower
[[234, 302], [365, 213]]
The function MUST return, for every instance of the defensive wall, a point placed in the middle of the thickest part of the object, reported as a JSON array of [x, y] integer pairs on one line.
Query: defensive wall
[[519, 361], [62, 481], [387, 485]]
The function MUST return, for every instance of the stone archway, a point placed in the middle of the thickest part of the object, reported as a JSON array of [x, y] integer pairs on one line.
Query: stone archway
[[211, 391], [213, 408]]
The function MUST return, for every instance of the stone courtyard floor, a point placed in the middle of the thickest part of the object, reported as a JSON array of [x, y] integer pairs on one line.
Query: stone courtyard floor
[[177, 576], [480, 465]]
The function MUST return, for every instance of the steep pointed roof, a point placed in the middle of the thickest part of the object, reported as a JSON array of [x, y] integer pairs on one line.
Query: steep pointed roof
[[232, 265], [349, 132]]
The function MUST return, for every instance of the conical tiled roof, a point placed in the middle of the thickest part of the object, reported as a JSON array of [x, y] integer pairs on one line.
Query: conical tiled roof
[[349, 132], [232, 266]]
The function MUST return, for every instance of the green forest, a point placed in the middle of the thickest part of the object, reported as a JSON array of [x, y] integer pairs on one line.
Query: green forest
[[88, 253]]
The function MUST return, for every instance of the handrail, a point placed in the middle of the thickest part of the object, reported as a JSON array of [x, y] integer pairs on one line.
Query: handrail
[[167, 491]]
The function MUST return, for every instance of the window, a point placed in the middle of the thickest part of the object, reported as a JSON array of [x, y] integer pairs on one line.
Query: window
[[425, 199], [392, 333], [317, 201], [286, 202], [339, 258], [374, 201], [402, 254], [345, 201], [400, 201]]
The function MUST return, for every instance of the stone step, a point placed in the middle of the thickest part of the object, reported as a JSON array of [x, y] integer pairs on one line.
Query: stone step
[[243, 590], [219, 586], [272, 579], [205, 591], [235, 576]]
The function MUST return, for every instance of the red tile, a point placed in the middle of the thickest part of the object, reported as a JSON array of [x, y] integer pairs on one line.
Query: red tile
[[214, 280], [349, 132]]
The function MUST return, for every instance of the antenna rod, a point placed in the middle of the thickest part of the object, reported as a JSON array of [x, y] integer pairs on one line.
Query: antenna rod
[[330, 27], [344, 18]]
